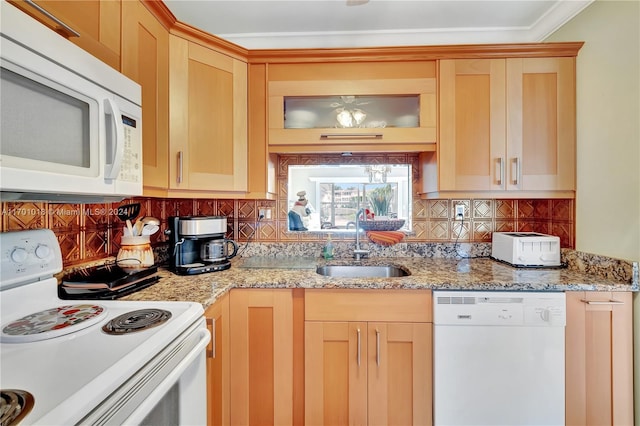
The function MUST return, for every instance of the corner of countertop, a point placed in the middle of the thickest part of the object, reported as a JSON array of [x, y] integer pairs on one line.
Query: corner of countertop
[[602, 266]]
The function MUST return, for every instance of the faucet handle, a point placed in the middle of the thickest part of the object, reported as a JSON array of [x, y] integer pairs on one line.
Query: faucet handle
[[360, 254]]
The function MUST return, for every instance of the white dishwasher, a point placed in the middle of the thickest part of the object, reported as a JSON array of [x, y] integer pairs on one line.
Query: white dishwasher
[[498, 358]]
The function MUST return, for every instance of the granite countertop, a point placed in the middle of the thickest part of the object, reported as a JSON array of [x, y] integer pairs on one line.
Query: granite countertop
[[430, 273]]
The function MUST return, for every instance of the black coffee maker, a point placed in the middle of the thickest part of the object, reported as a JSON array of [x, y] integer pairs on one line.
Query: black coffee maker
[[198, 244]]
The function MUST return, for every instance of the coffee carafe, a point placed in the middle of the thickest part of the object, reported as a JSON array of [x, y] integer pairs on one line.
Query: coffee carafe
[[198, 244], [217, 250]]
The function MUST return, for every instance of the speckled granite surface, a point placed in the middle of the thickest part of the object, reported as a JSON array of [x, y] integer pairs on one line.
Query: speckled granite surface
[[426, 273]]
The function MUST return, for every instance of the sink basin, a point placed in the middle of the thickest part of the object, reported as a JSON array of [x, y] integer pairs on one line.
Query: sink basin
[[361, 271]]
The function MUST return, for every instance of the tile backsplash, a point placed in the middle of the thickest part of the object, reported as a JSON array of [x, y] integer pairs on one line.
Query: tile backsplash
[[88, 232]]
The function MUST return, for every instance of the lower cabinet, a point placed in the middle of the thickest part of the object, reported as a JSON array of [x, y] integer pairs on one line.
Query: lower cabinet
[[217, 316], [599, 359], [261, 356], [367, 373], [368, 357], [333, 357]]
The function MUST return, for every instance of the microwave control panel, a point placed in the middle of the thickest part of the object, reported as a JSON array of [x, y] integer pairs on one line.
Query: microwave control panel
[[131, 169]]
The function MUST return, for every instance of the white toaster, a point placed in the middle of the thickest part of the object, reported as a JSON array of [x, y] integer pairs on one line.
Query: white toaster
[[526, 248]]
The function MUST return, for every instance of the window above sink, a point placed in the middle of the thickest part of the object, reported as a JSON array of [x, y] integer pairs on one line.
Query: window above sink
[[327, 197]]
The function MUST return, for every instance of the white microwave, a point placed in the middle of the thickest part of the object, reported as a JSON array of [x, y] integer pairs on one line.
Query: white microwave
[[70, 125]]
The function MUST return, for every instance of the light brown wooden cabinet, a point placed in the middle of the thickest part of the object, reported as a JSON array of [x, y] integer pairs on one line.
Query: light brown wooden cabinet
[[599, 359], [323, 83], [507, 126], [218, 372], [97, 23], [207, 121], [145, 59], [262, 356], [368, 357], [261, 173]]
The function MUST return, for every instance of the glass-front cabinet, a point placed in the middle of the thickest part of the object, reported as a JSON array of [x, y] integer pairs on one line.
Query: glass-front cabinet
[[352, 107]]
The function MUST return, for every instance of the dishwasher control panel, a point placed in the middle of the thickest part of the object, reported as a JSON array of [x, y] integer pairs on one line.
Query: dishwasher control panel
[[499, 308]]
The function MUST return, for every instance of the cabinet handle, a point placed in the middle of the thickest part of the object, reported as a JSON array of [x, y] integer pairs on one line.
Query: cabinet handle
[[602, 302], [211, 353], [71, 31], [358, 347], [179, 177], [500, 171], [378, 347], [351, 136], [516, 174]]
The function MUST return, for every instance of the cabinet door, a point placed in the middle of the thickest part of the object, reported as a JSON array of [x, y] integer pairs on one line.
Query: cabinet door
[[599, 359], [400, 373], [145, 59], [336, 373], [208, 119], [541, 124], [97, 22], [261, 173], [338, 107], [471, 151], [261, 351], [217, 316]]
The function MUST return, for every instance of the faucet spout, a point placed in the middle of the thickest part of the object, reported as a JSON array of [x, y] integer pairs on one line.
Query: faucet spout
[[359, 253]]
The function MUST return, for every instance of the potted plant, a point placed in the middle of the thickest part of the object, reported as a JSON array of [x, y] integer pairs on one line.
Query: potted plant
[[380, 200]]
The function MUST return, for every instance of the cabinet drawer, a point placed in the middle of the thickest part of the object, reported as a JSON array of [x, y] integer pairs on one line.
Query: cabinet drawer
[[368, 305]]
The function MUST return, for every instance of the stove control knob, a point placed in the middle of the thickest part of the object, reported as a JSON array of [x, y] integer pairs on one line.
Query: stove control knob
[[19, 255], [43, 251]]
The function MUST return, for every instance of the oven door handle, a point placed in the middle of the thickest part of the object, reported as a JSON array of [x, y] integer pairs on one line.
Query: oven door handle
[[160, 391]]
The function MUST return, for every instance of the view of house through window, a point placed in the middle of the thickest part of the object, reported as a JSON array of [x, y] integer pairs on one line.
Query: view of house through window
[[341, 201], [327, 197]]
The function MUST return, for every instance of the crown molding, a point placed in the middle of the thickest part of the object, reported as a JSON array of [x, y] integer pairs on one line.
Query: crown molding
[[417, 53]]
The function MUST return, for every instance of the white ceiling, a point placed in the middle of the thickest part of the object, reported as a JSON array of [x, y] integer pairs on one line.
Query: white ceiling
[[272, 24]]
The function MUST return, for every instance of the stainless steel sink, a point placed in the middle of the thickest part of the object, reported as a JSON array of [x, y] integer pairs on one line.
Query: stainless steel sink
[[362, 271]]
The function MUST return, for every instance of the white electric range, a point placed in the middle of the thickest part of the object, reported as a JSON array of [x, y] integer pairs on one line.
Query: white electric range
[[68, 361]]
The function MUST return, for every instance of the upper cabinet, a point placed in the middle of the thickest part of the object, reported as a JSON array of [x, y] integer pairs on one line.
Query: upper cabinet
[[261, 174], [194, 107], [363, 106], [92, 25], [145, 59], [207, 120], [505, 125], [496, 120]]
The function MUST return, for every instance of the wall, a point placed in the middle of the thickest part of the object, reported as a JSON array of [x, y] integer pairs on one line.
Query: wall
[[608, 129], [92, 231]]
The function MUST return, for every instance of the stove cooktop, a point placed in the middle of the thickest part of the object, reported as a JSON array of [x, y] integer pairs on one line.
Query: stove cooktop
[[69, 374]]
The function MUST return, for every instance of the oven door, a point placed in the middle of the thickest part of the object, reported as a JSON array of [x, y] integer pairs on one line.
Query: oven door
[[169, 390]]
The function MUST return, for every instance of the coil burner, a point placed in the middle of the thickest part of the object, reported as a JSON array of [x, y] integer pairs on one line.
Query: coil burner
[[14, 406], [133, 321]]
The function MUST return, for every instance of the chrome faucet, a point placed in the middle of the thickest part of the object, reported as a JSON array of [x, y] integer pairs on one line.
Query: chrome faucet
[[359, 253]]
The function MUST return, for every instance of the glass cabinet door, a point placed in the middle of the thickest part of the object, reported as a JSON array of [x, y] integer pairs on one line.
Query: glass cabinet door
[[343, 112], [395, 112]]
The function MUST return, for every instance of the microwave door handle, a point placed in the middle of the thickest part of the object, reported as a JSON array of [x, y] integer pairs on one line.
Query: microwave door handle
[[112, 110]]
